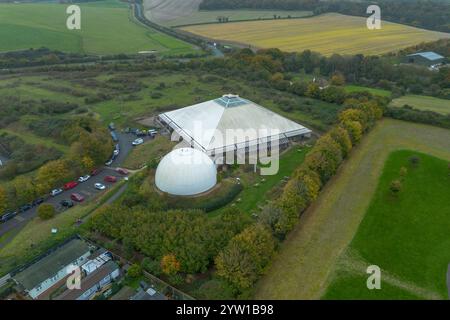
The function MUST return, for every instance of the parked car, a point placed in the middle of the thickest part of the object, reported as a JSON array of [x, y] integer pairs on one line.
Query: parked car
[[122, 171], [25, 207], [95, 172], [55, 192], [152, 132], [7, 216], [114, 136], [70, 185], [137, 142], [77, 197], [116, 152], [37, 202], [67, 203], [111, 126], [100, 186], [109, 162], [84, 178], [110, 179]]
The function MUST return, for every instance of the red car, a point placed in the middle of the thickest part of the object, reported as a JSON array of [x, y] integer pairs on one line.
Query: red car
[[77, 197], [70, 185], [110, 179], [123, 172], [95, 172]]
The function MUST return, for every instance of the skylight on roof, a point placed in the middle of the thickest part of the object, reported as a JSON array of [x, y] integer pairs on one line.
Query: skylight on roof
[[230, 100]]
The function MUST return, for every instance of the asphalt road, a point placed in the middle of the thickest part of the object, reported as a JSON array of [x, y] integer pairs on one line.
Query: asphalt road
[[86, 189]]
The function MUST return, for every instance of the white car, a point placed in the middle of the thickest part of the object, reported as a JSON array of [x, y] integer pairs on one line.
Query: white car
[[100, 186], [116, 152], [55, 192], [84, 178], [137, 142], [109, 162]]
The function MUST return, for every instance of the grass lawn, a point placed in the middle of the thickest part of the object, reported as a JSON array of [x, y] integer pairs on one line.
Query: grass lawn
[[406, 235], [441, 106], [200, 17], [327, 34], [257, 191], [311, 252], [107, 27], [374, 91], [153, 149]]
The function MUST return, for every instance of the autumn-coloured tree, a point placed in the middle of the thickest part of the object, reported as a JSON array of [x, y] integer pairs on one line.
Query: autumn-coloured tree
[[24, 189], [338, 79], [354, 115], [245, 257], [51, 175], [354, 129], [169, 264], [342, 137], [395, 186]]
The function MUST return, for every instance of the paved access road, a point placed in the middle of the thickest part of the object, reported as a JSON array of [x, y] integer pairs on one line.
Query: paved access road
[[86, 189]]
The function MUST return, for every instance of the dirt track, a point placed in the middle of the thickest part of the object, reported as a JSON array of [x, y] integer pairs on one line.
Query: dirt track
[[308, 256]]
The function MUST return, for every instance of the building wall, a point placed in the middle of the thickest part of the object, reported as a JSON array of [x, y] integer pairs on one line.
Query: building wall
[[48, 283]]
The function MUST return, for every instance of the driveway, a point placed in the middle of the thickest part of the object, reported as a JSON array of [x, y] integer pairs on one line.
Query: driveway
[[86, 188]]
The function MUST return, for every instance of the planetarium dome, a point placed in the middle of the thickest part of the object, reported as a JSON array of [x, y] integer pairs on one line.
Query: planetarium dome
[[185, 172]]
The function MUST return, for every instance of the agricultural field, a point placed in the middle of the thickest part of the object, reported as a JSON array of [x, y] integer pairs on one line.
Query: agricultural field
[[404, 234], [203, 17], [327, 34], [425, 103], [310, 256], [107, 27]]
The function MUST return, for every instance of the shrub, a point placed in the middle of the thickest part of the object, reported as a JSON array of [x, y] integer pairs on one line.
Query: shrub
[[134, 271], [46, 211], [395, 186]]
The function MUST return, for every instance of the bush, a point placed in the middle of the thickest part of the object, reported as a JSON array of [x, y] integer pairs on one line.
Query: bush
[[151, 266], [134, 271], [395, 186], [46, 211]]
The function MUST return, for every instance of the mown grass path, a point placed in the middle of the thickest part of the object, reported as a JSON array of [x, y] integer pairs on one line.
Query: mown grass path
[[308, 256]]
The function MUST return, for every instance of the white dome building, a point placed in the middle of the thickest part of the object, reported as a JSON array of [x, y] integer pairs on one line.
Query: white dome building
[[185, 172]]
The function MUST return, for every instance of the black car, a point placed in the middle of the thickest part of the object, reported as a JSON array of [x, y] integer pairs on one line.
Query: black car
[[67, 203], [37, 202], [25, 207], [7, 216]]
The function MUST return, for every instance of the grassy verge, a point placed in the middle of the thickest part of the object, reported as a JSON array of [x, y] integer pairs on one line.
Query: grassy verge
[[151, 150], [310, 253]]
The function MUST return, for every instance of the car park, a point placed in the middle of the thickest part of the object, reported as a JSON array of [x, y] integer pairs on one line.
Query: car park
[[122, 171], [110, 179], [67, 203], [37, 202], [55, 192], [137, 142], [95, 172], [7, 216], [25, 207], [84, 178], [100, 186], [77, 197], [70, 185]]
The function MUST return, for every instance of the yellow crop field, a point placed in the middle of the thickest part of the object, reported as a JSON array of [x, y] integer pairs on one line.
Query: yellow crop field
[[327, 34]]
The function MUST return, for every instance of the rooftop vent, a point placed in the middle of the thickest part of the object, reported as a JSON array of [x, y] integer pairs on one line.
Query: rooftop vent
[[231, 100]]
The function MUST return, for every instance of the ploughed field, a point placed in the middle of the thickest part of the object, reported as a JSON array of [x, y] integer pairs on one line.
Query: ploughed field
[[327, 34]]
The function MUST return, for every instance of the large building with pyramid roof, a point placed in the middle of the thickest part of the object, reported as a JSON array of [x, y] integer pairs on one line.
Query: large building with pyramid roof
[[208, 126]]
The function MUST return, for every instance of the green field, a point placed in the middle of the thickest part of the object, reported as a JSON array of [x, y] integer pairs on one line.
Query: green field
[[426, 103], [406, 235], [374, 91], [327, 34], [107, 27], [310, 255], [200, 17]]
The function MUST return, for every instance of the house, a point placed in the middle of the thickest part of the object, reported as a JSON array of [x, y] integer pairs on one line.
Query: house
[[53, 268], [428, 58], [94, 282]]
